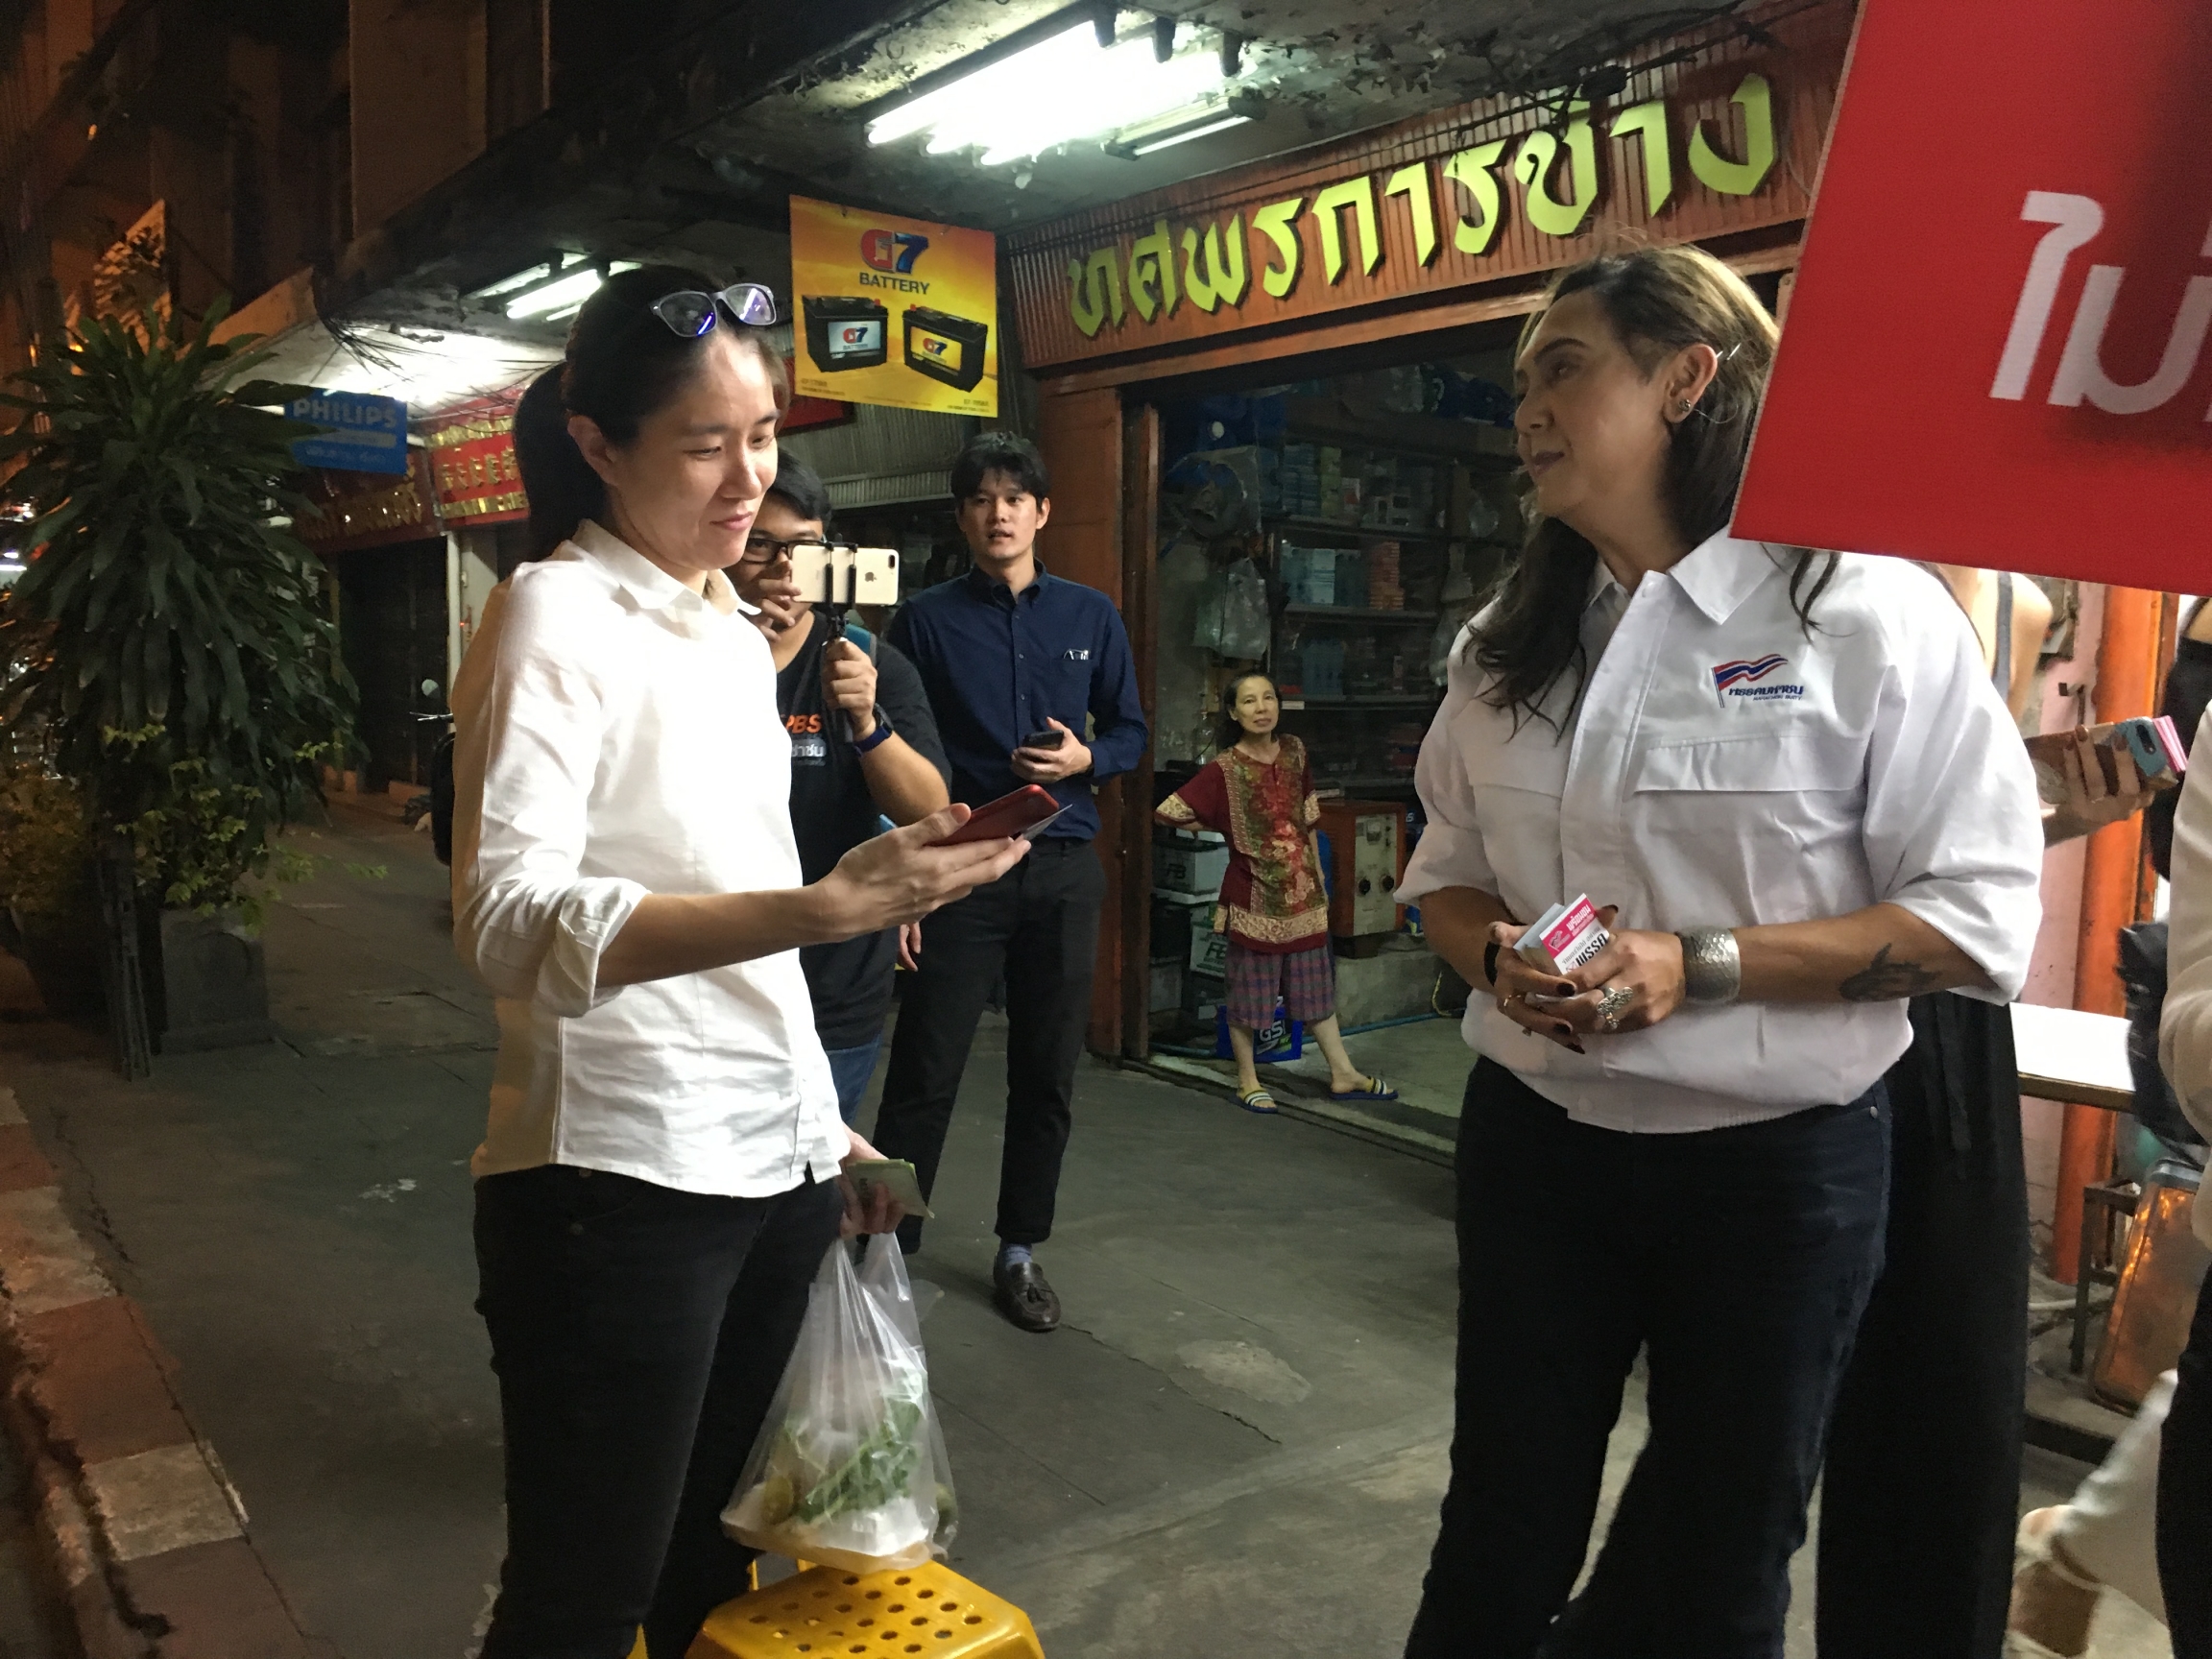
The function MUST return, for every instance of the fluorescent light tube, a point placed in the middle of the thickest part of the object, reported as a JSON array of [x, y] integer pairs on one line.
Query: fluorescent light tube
[[1062, 88], [1188, 133], [573, 289]]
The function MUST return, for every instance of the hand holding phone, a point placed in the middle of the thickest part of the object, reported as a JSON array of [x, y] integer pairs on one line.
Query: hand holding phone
[[1050, 754], [903, 874], [897, 1177]]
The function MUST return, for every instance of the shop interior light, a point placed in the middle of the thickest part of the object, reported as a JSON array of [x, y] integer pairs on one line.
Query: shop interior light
[[564, 293], [1205, 129], [1065, 88], [1216, 116], [522, 278]]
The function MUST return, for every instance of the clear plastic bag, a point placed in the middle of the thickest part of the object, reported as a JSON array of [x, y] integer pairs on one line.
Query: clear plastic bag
[[849, 1469], [1244, 619]]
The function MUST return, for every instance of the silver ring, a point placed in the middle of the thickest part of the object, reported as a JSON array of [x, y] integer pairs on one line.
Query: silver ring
[[1612, 1003]]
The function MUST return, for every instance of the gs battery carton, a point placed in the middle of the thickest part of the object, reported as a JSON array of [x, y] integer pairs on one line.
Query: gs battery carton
[[844, 332], [945, 348]]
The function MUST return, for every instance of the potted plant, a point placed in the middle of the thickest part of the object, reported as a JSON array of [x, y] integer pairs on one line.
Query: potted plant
[[167, 648], [47, 887]]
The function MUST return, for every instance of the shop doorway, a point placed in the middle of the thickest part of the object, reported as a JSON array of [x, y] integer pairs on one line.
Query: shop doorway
[[1333, 528], [392, 629]]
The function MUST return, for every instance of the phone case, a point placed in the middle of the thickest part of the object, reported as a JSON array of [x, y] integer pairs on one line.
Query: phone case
[[1026, 809]]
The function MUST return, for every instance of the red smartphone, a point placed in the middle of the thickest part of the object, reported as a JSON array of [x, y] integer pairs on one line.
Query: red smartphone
[[1025, 812]]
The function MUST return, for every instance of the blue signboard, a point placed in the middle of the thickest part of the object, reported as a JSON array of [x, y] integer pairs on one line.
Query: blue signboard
[[367, 434]]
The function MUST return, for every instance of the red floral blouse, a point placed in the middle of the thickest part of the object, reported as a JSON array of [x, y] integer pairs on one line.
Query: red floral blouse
[[1272, 898]]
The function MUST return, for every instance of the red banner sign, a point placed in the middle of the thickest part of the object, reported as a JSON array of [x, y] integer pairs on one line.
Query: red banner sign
[[1995, 347]]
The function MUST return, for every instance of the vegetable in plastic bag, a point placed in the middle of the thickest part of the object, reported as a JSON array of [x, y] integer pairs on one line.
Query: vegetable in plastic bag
[[849, 1470]]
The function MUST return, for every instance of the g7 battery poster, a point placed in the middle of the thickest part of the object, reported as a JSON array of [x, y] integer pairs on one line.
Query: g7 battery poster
[[894, 311]]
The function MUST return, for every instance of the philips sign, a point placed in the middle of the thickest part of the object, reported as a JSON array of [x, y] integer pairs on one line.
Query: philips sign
[[362, 433]]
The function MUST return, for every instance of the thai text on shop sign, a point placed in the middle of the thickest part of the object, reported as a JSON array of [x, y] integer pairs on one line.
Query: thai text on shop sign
[[1342, 218], [1719, 139]]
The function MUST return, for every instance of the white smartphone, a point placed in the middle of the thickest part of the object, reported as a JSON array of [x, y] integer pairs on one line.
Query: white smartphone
[[875, 576], [823, 573]]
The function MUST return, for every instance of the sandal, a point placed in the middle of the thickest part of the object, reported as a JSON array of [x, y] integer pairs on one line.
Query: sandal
[[1254, 1099], [1374, 1089], [2049, 1596]]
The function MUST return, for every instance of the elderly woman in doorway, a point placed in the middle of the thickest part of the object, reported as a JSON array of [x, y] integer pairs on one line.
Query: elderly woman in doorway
[[1787, 779], [1258, 793], [661, 1177]]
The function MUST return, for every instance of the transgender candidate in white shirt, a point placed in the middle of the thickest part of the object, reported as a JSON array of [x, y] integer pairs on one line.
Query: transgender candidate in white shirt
[[661, 1177], [1789, 774]]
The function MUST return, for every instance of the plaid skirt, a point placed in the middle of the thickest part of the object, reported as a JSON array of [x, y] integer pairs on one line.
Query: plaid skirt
[[1305, 979]]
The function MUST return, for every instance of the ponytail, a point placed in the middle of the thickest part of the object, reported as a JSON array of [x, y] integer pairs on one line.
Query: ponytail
[[622, 366], [562, 488]]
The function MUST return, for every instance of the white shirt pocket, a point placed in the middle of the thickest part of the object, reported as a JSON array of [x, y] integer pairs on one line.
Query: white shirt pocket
[[1735, 831]]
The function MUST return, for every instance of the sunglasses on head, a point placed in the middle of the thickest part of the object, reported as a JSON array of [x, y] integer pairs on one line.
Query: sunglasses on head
[[690, 314]]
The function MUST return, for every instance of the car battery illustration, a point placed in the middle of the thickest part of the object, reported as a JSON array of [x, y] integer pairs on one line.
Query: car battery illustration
[[844, 332], [945, 348]]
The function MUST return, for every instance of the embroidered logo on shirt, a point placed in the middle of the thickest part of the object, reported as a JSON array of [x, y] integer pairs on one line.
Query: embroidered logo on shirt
[[1075, 654], [809, 751], [1741, 679]]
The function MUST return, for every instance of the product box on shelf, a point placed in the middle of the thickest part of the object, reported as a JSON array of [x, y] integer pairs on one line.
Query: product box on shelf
[[1208, 950], [1182, 867]]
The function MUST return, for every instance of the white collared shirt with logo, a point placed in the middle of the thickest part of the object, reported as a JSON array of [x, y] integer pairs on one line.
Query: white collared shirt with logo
[[1724, 768], [616, 736]]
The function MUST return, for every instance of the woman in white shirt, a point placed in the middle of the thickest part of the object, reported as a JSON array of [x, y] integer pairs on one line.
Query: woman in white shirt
[[1789, 776], [660, 1179]]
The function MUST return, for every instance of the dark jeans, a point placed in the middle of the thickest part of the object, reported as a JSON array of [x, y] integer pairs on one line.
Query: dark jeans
[[639, 1333], [1738, 1260], [1038, 925], [850, 1070], [2185, 1496], [1932, 1403]]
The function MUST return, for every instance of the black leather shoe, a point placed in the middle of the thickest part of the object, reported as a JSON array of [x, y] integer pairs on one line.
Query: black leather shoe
[[1025, 1297]]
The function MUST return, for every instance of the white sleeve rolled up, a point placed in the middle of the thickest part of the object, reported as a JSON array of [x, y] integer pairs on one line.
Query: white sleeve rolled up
[[1450, 850], [529, 724], [1954, 832]]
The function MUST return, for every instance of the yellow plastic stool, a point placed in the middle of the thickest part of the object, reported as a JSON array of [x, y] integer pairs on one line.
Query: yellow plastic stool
[[829, 1614]]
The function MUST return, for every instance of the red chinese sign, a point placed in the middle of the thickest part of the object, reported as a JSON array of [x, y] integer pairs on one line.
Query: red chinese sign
[[1995, 350], [472, 460]]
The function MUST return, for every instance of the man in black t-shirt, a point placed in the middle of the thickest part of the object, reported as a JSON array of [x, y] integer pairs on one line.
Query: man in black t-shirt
[[863, 748]]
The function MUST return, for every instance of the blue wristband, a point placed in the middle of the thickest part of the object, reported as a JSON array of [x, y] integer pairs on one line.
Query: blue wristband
[[881, 734]]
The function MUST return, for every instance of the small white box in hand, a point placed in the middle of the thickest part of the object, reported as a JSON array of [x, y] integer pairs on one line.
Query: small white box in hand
[[1564, 937]]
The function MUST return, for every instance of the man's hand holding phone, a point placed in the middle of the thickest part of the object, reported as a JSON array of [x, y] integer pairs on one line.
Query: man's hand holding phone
[[1070, 757]]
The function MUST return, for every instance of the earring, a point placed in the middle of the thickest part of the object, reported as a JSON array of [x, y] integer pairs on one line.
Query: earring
[[1682, 403]]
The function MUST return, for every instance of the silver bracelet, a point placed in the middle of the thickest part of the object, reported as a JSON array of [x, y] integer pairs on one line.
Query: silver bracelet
[[1712, 967]]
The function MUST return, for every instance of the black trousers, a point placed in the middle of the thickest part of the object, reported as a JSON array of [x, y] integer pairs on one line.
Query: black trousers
[[1039, 925], [1739, 1260], [2185, 1496], [639, 1335], [1922, 1490]]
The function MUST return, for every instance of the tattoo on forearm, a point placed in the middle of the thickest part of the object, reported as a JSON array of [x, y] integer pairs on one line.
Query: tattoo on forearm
[[1883, 981]]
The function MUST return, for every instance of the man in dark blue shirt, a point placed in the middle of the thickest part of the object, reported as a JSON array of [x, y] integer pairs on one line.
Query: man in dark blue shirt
[[1031, 682]]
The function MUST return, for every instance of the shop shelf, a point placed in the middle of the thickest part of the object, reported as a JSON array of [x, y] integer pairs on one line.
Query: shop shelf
[[1353, 614], [1425, 437], [1366, 532]]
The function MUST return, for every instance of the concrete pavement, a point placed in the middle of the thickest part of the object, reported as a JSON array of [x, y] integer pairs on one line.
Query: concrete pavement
[[1233, 1446]]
